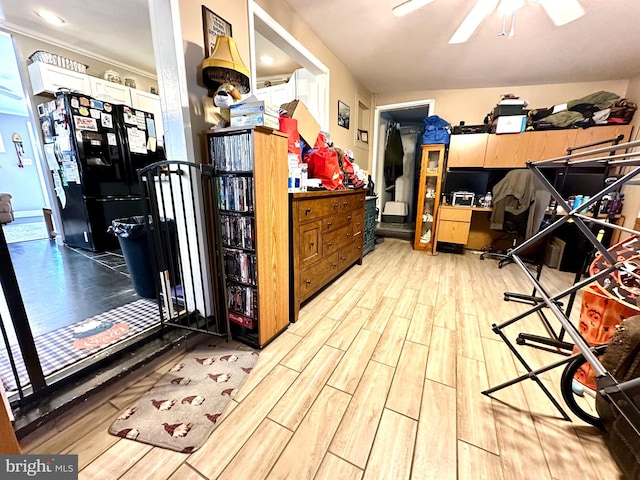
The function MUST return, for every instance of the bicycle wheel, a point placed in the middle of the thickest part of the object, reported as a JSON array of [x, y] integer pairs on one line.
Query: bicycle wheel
[[580, 398]]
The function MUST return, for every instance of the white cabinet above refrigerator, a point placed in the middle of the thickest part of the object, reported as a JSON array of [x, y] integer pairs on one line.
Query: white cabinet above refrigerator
[[109, 91], [46, 78]]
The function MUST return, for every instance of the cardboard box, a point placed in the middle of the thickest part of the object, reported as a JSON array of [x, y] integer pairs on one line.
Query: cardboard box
[[256, 119], [308, 127], [248, 108], [511, 124]]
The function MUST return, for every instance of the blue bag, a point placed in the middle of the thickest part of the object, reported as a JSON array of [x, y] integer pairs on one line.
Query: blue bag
[[436, 130]]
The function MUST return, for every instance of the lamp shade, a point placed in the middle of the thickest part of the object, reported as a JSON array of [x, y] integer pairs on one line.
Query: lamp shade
[[224, 65]]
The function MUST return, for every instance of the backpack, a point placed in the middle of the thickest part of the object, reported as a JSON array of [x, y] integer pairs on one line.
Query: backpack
[[436, 130], [622, 360]]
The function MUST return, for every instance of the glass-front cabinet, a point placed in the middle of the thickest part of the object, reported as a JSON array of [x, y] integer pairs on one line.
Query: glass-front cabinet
[[431, 167]]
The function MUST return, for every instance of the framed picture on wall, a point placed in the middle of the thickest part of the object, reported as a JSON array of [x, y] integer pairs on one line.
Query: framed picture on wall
[[213, 25], [344, 115], [363, 136]]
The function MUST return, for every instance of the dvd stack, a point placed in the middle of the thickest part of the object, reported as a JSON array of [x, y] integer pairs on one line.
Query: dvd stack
[[252, 215]]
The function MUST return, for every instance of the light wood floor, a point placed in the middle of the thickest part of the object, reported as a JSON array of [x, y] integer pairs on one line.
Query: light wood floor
[[379, 379]]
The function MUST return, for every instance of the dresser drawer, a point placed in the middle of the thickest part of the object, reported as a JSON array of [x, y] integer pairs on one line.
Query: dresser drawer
[[456, 214], [336, 221], [313, 278], [333, 241], [316, 208], [309, 243], [349, 254], [351, 202], [358, 222], [453, 232]]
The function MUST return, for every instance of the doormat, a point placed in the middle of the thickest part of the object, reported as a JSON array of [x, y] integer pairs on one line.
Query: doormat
[[64, 347], [183, 408]]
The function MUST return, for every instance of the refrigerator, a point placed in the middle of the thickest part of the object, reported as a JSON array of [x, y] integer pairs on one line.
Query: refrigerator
[[93, 149]]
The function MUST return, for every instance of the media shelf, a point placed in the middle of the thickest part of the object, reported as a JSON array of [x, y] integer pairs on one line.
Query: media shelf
[[250, 166]]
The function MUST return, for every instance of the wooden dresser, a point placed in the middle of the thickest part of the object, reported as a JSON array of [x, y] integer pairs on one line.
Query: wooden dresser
[[326, 239]]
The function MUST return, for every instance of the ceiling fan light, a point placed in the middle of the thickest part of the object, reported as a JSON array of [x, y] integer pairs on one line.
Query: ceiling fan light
[[563, 12], [409, 6], [471, 22]]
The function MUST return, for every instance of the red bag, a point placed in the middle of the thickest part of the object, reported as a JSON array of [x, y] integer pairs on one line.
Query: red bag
[[323, 164], [290, 126]]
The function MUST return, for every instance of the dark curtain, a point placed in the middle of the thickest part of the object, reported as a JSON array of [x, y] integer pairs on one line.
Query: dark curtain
[[393, 156]]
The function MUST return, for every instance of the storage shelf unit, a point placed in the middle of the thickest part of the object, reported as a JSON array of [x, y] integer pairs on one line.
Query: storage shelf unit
[[251, 178], [431, 167]]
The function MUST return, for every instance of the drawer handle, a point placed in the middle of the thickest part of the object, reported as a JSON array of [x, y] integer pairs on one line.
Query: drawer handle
[[329, 244], [311, 244], [307, 211], [348, 234], [343, 258], [349, 218], [335, 205], [358, 247], [308, 282], [334, 264], [345, 203], [329, 224]]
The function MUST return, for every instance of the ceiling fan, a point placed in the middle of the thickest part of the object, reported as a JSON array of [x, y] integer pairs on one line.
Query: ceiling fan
[[560, 13]]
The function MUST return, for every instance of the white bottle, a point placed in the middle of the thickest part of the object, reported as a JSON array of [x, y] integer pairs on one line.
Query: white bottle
[[304, 172]]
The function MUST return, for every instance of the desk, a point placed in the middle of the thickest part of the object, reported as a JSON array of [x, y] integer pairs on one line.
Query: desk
[[468, 226]]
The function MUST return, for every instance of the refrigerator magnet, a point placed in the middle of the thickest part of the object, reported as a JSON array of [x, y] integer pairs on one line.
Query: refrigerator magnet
[[106, 120], [74, 102], [111, 139], [83, 123], [107, 107], [83, 111], [128, 116], [95, 113], [97, 104], [84, 101], [151, 144]]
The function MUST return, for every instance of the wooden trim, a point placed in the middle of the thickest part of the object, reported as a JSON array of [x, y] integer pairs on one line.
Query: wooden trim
[[8, 442]]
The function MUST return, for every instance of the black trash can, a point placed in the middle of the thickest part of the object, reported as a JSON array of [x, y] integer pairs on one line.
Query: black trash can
[[139, 252]]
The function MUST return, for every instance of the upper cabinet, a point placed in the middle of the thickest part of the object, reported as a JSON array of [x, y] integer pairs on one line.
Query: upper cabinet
[[109, 91], [467, 150], [47, 78], [515, 150]]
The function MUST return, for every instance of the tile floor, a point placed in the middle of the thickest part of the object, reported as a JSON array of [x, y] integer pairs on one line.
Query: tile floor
[[380, 378]]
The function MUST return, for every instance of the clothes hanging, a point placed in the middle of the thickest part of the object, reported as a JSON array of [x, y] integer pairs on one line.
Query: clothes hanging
[[393, 156]]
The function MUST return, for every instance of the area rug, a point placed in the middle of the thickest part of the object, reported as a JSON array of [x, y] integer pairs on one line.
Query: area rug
[[183, 408], [63, 347]]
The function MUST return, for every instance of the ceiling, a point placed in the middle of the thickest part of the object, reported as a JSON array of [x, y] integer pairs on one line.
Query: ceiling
[[387, 53]]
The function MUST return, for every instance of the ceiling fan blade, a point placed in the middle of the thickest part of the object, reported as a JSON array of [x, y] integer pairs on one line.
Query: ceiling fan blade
[[409, 6], [562, 12], [469, 25]]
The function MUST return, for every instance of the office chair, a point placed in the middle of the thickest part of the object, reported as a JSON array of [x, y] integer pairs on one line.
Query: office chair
[[514, 228]]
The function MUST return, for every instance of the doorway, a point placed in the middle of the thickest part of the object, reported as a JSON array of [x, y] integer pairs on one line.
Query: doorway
[[397, 135], [307, 78], [62, 309]]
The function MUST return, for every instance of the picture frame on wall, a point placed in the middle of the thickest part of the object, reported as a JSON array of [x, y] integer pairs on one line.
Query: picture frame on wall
[[344, 115], [363, 136], [212, 26]]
